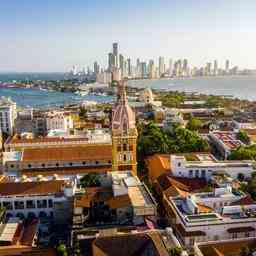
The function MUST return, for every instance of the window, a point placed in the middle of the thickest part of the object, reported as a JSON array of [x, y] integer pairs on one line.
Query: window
[[191, 241], [43, 165], [124, 157], [179, 164], [50, 204], [109, 161], [70, 164], [124, 147], [12, 166], [203, 173], [42, 203], [234, 235], [19, 205], [29, 165], [7, 205], [197, 173], [190, 173], [57, 164], [96, 162], [84, 163], [30, 204]]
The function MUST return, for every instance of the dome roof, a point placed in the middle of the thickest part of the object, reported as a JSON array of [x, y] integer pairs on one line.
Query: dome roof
[[123, 117]]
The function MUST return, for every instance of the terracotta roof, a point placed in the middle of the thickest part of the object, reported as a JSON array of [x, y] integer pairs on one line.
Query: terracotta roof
[[131, 245], [28, 188], [66, 170], [94, 152], [240, 229], [16, 140], [157, 165], [183, 232]]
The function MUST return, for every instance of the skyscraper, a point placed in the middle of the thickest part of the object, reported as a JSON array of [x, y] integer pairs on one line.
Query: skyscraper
[[161, 66], [227, 66], [143, 69], [121, 63], [151, 69], [111, 61], [170, 69], [215, 68], [129, 67], [96, 68], [115, 53]]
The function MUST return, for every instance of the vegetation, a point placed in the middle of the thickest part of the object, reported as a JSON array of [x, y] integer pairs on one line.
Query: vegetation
[[62, 250], [194, 124], [90, 180], [172, 100], [175, 251], [243, 136], [243, 153], [153, 139]]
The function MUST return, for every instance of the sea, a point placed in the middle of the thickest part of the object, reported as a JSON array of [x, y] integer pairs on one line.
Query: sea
[[242, 87]]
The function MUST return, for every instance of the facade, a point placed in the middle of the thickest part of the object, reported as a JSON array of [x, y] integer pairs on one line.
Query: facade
[[124, 134], [59, 121], [40, 199], [8, 115], [205, 165]]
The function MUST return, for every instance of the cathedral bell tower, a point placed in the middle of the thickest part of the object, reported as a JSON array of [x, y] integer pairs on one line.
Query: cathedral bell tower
[[124, 134]]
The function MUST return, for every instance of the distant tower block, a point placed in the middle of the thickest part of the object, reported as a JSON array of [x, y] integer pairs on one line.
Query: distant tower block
[[124, 134]]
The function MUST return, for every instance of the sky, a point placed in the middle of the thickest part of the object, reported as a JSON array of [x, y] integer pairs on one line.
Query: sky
[[53, 35]]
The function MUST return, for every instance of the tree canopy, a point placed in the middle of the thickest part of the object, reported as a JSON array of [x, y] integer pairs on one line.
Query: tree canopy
[[243, 153], [194, 124], [243, 136], [153, 139], [90, 180]]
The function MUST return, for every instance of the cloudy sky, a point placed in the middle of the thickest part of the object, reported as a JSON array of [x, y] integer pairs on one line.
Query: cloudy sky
[[52, 35]]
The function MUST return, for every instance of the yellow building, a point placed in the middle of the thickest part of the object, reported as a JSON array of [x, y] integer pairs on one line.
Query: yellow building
[[124, 134]]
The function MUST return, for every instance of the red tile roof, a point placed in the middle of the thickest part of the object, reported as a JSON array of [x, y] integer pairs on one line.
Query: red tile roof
[[93, 152], [31, 188]]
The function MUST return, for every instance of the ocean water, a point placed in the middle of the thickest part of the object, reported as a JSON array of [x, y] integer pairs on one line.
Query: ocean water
[[26, 97], [243, 87]]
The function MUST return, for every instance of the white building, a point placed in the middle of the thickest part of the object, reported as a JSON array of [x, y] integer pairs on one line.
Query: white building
[[228, 220], [37, 198], [205, 165], [8, 115], [59, 121]]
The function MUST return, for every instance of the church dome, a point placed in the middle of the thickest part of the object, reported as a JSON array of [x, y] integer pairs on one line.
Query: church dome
[[123, 117]]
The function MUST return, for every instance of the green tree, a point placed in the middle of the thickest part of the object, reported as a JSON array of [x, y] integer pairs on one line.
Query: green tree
[[176, 251], [243, 153], [243, 136], [62, 250], [90, 180], [194, 124]]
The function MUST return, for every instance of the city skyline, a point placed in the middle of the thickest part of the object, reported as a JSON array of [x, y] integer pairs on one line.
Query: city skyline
[[47, 41]]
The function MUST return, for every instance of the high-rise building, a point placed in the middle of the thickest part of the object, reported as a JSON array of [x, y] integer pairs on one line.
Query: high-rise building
[[185, 67], [143, 69], [227, 66], [170, 69], [129, 67], [215, 68], [124, 134], [161, 66], [115, 53], [208, 68], [151, 69], [111, 61], [96, 68], [121, 64]]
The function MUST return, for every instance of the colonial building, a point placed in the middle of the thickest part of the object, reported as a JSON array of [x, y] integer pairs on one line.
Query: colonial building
[[124, 134]]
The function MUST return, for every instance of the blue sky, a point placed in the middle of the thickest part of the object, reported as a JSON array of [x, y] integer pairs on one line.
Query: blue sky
[[52, 35]]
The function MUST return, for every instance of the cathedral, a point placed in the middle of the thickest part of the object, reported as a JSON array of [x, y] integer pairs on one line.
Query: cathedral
[[124, 134]]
